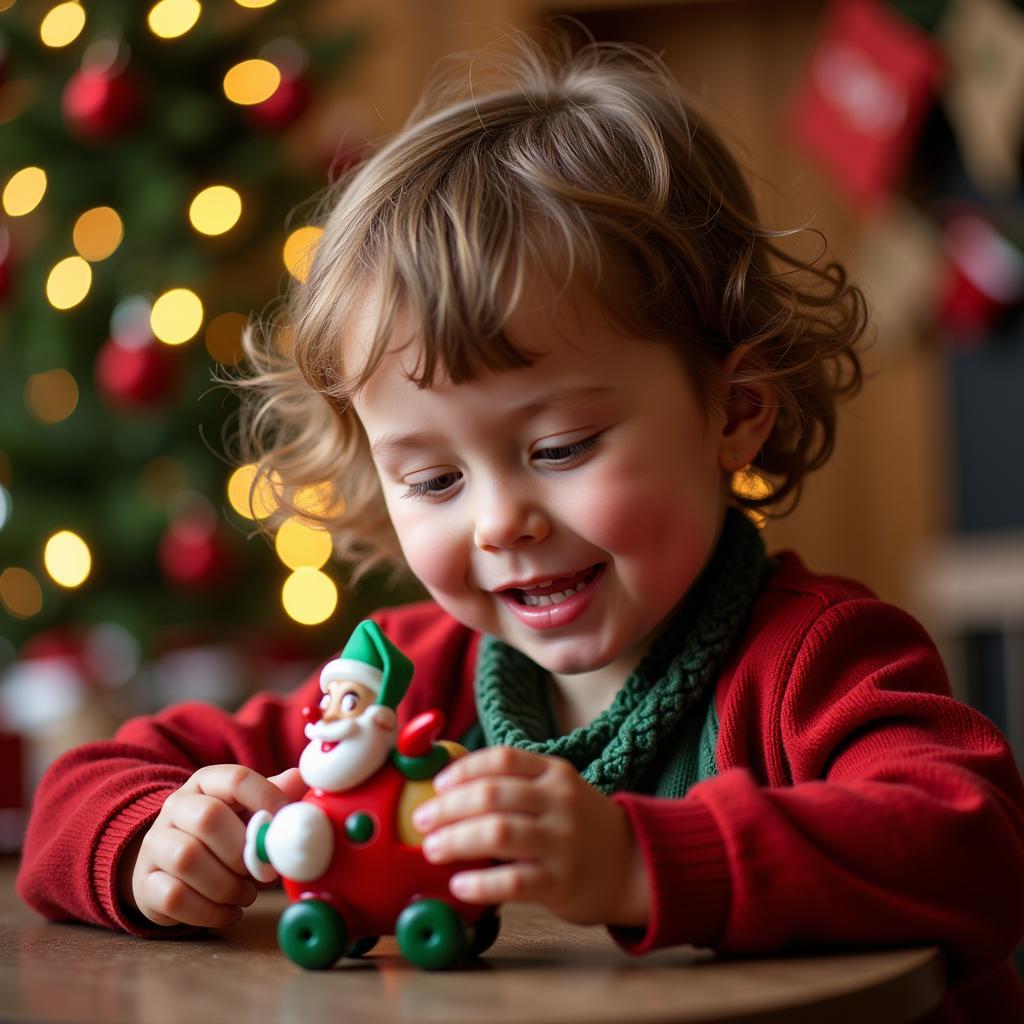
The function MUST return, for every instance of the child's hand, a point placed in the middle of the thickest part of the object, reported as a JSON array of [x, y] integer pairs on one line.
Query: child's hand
[[188, 868], [567, 845]]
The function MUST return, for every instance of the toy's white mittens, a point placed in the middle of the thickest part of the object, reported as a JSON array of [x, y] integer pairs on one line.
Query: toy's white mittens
[[299, 842], [260, 870]]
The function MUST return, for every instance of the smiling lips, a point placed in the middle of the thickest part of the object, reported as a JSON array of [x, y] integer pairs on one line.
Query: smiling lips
[[554, 602]]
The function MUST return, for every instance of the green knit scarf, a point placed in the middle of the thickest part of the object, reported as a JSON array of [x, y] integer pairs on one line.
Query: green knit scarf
[[629, 740]]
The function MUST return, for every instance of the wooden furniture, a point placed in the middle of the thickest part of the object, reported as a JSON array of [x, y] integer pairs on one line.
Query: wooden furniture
[[539, 970]]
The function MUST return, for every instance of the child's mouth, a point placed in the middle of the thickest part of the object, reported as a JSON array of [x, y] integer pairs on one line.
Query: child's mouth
[[557, 602]]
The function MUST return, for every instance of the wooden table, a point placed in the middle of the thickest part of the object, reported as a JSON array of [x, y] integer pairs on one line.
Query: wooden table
[[539, 970]]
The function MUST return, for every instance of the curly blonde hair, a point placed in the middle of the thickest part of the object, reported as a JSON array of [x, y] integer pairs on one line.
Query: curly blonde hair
[[590, 164]]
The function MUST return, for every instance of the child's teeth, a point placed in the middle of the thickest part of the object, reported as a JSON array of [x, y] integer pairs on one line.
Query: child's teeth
[[546, 599]]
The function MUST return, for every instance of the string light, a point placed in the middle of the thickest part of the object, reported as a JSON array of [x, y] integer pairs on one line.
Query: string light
[[52, 396], [97, 233], [67, 558], [317, 500], [62, 25], [251, 81], [24, 191], [308, 596], [176, 316], [254, 3], [20, 593], [170, 19], [215, 210], [224, 337], [298, 544], [264, 500], [299, 250], [69, 282]]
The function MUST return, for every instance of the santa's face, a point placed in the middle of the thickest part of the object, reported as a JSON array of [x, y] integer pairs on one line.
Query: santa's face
[[351, 740]]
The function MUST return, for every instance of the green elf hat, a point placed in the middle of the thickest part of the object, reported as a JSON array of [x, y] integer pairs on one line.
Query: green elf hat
[[372, 659]]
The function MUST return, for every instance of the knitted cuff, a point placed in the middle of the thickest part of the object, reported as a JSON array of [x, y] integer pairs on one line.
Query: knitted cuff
[[688, 871], [122, 827]]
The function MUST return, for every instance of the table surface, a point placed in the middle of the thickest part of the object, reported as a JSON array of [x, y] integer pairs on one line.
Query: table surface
[[540, 969]]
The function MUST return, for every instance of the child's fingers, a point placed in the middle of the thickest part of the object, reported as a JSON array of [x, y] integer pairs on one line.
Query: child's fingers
[[237, 785], [168, 900], [290, 783], [212, 822], [499, 836], [184, 857], [480, 796], [491, 761], [521, 882]]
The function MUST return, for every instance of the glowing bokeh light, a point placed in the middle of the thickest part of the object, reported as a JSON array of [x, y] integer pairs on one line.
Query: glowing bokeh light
[[24, 191], [176, 316], [51, 396], [224, 337], [254, 3], [215, 210], [251, 81], [20, 593], [264, 500], [298, 544], [6, 506], [97, 233], [62, 25], [67, 558], [68, 283], [308, 596], [299, 250], [170, 19]]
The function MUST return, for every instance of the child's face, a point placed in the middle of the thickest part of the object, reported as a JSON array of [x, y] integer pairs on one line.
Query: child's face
[[593, 468]]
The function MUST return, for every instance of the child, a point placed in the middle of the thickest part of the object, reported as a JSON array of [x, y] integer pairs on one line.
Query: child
[[542, 334]]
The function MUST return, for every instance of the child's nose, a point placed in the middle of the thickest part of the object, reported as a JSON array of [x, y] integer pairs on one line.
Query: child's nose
[[504, 521]]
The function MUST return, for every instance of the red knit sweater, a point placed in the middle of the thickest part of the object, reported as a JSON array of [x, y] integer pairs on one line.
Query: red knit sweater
[[856, 803]]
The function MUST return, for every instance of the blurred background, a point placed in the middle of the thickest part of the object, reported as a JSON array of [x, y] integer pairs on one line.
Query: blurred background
[[159, 165]]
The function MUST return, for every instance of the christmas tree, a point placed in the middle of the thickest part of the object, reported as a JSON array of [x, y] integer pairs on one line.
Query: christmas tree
[[150, 201]]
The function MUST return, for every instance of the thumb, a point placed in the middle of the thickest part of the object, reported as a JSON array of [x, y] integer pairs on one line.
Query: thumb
[[290, 783]]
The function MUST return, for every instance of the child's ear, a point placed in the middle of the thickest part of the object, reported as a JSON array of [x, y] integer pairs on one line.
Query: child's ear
[[749, 411]]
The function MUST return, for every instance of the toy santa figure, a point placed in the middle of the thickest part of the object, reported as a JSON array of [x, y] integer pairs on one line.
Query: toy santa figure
[[348, 852]]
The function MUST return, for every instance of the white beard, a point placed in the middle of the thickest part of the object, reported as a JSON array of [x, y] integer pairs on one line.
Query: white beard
[[363, 747]]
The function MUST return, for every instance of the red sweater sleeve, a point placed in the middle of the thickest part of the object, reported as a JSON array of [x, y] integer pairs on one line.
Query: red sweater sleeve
[[94, 799], [870, 808]]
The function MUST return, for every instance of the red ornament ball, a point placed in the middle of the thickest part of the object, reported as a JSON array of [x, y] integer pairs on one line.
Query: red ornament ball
[[100, 105], [287, 103], [193, 555], [135, 377]]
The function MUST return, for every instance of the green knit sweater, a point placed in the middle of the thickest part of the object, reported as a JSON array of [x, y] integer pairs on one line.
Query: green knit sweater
[[660, 733]]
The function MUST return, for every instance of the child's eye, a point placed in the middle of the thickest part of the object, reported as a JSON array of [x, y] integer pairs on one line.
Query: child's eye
[[434, 487], [568, 453]]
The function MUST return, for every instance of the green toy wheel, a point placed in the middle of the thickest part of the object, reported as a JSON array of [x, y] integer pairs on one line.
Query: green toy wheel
[[431, 935], [485, 932], [312, 934], [362, 946]]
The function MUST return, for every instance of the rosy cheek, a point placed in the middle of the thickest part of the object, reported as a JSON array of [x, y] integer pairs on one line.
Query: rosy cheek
[[432, 552]]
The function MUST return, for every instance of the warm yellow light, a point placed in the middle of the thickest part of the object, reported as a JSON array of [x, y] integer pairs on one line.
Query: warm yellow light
[[750, 484], [69, 282], [215, 210], [264, 501], [20, 593], [299, 250], [318, 500], [251, 81], [67, 558], [308, 596], [298, 544], [254, 3], [62, 24], [97, 233], [176, 316], [169, 19], [52, 396], [24, 191], [224, 337]]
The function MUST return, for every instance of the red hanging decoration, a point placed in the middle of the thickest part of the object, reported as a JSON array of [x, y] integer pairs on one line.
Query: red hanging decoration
[[135, 377], [103, 100], [193, 554]]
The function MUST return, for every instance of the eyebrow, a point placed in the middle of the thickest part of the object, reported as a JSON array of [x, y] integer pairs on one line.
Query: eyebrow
[[394, 444]]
